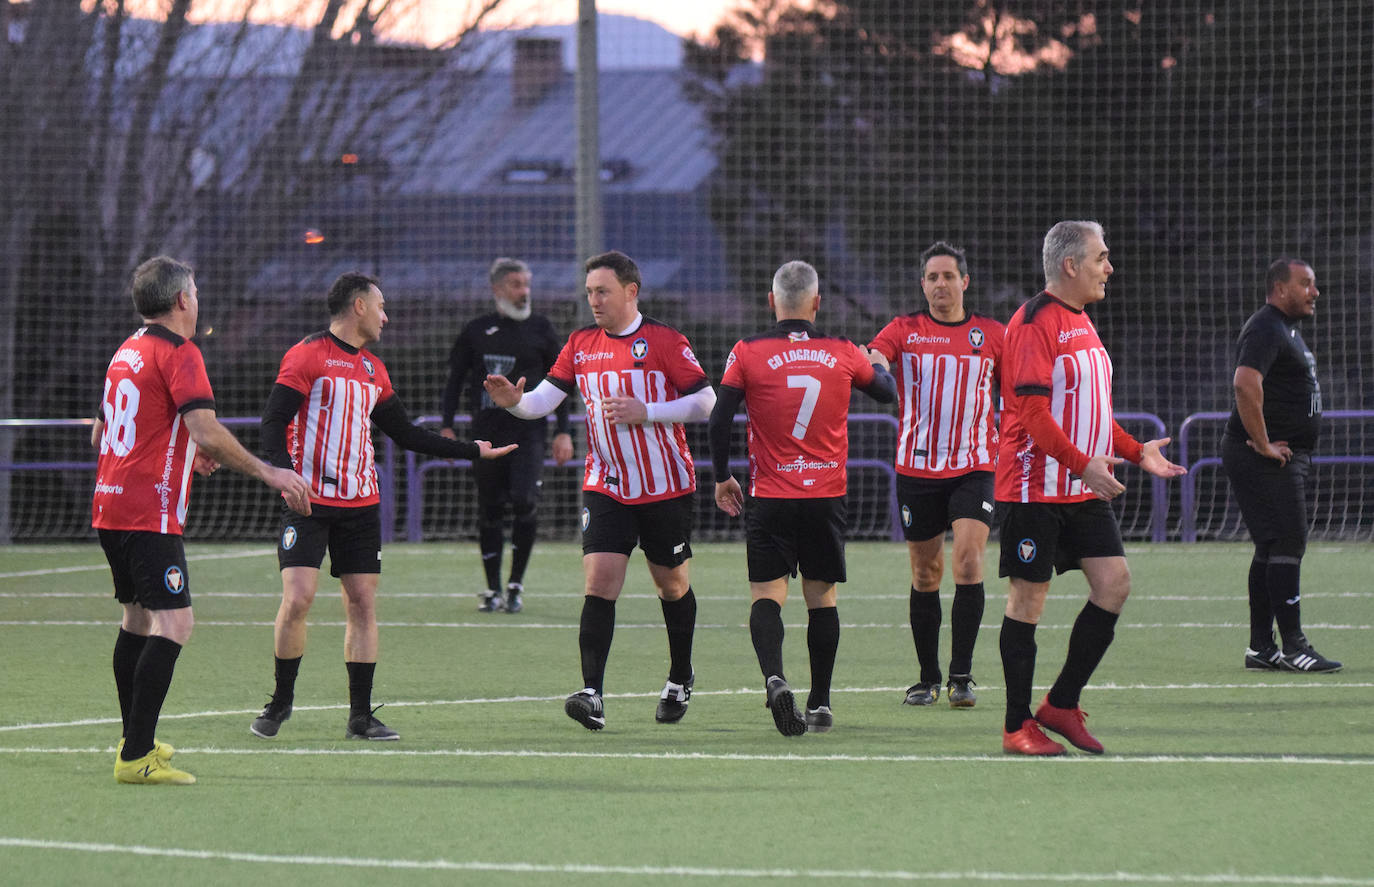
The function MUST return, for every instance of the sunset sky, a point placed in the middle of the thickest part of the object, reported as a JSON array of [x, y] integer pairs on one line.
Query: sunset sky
[[684, 17]]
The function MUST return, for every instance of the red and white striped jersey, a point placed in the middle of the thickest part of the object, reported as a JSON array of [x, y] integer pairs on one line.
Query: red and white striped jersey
[[633, 464], [1054, 351], [143, 473], [947, 390], [330, 437], [797, 383]]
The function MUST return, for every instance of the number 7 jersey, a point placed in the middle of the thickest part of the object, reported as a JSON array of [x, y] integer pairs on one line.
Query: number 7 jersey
[[796, 383], [143, 473]]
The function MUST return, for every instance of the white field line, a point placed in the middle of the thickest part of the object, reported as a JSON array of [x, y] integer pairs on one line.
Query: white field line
[[742, 691], [372, 751], [502, 622], [678, 872]]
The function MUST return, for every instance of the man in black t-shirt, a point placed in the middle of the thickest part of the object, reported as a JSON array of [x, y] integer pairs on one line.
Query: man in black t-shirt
[[1267, 454], [513, 342]]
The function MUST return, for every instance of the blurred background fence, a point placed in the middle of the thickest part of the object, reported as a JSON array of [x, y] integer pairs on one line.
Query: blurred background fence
[[1207, 137]]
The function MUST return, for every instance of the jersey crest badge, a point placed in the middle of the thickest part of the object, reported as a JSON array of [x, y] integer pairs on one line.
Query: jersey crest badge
[[586, 519], [639, 349], [367, 365], [288, 538], [1025, 550], [975, 337], [906, 515], [174, 579]]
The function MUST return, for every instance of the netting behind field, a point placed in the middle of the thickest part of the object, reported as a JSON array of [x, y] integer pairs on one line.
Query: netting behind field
[[1208, 138]]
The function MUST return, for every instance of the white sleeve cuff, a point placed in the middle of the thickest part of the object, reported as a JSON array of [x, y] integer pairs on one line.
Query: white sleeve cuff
[[536, 404], [694, 407]]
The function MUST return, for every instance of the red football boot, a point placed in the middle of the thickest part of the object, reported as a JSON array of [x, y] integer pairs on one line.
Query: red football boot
[[1068, 722], [1029, 740]]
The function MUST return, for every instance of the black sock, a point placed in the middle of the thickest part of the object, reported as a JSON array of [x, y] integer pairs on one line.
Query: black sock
[[521, 544], [765, 628], [1017, 642], [822, 640], [1282, 577], [490, 538], [1261, 614], [152, 677], [128, 647], [594, 639], [926, 616], [1092, 634], [360, 688], [285, 671], [680, 618], [965, 614]]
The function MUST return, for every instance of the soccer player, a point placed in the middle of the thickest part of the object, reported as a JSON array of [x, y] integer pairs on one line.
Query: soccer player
[[511, 341], [156, 424], [947, 387], [640, 382], [330, 391], [1267, 454], [795, 383], [1058, 444]]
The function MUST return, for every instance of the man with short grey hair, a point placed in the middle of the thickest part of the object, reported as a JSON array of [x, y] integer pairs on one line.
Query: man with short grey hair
[[1059, 443]]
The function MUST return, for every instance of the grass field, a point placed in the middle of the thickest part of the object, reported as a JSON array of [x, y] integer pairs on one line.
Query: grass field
[[1213, 774]]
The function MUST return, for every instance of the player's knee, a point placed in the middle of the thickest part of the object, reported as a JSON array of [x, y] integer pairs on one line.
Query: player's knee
[[1293, 548], [526, 512]]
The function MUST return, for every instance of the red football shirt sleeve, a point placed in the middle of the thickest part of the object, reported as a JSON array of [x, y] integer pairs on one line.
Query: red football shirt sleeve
[[295, 372], [1048, 436], [1126, 447], [383, 380], [734, 368], [561, 373], [863, 367], [683, 370], [1030, 358], [187, 380], [886, 342]]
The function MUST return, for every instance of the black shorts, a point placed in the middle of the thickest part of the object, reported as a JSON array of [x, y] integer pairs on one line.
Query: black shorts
[[1040, 538], [663, 529], [785, 536], [929, 506], [149, 569], [352, 535], [1272, 497], [516, 479]]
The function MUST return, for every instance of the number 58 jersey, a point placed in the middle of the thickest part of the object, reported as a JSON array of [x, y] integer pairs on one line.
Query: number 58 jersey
[[143, 472], [796, 384]]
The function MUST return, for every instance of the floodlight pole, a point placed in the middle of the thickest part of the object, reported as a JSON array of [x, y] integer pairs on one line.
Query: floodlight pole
[[587, 173]]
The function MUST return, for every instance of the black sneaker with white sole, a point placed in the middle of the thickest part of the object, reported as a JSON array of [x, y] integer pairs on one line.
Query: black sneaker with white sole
[[819, 719], [514, 604], [492, 602], [1304, 658], [672, 702], [268, 723], [586, 708], [1265, 659], [783, 704], [368, 727]]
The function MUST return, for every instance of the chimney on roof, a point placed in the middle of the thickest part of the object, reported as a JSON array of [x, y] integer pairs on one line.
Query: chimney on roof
[[538, 66]]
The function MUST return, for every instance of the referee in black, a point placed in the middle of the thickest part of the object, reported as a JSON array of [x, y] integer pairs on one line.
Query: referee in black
[[511, 341], [1267, 454]]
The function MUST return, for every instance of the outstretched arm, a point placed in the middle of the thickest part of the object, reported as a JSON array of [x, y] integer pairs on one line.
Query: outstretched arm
[[390, 415], [220, 445]]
